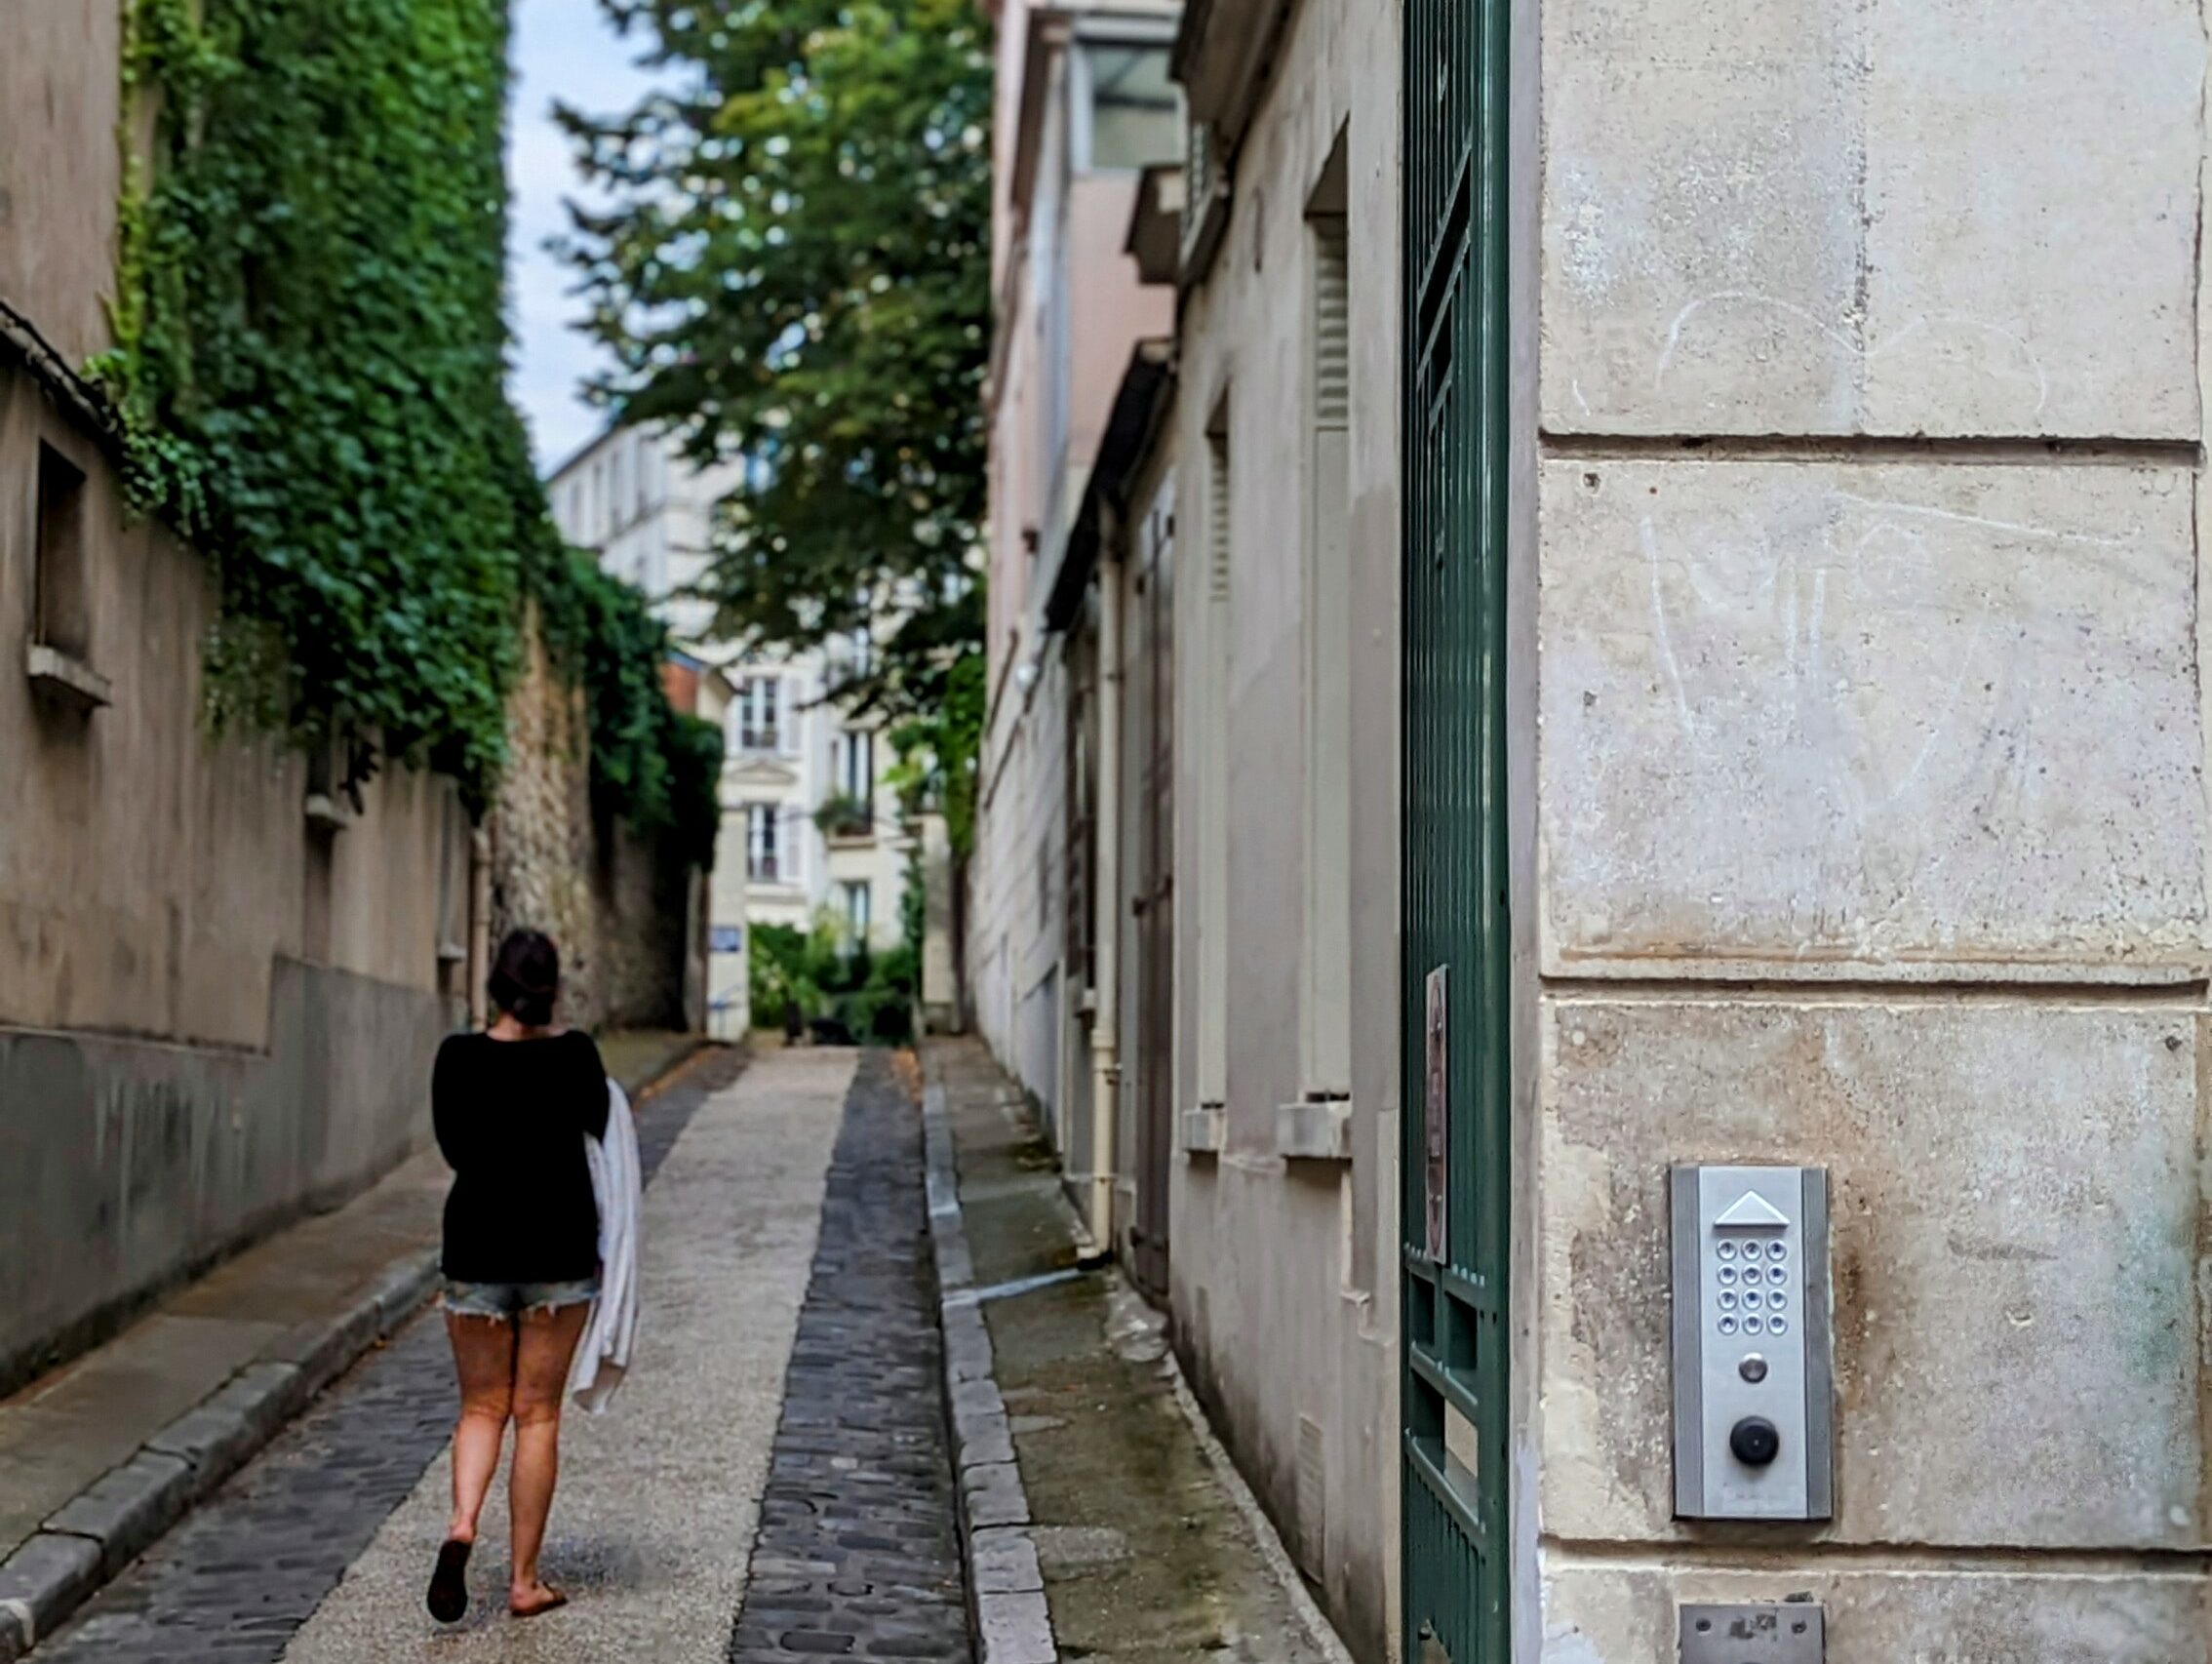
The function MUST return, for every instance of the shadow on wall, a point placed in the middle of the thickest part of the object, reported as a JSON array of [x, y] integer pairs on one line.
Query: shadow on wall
[[127, 1164]]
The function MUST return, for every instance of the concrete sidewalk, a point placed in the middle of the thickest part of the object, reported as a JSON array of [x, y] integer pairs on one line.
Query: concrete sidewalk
[[1117, 1507], [103, 1455]]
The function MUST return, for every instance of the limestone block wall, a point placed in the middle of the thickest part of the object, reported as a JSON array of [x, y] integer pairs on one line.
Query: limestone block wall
[[618, 907], [1862, 817]]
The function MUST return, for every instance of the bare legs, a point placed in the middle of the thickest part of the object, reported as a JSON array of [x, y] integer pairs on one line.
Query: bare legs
[[547, 1342], [512, 1370], [484, 1355]]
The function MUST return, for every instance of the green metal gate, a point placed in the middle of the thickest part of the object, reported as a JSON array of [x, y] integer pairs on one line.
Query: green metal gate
[[1455, 1178]]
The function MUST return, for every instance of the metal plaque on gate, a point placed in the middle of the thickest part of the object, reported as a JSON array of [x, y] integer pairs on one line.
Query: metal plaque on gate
[[1435, 1119]]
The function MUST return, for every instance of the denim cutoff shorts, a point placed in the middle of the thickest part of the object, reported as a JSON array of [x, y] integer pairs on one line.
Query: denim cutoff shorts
[[512, 1299]]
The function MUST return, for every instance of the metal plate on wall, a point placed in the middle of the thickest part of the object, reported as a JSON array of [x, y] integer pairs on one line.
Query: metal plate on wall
[[1790, 1633]]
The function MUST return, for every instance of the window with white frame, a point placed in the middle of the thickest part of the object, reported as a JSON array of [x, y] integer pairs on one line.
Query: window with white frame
[[759, 713], [1127, 113], [764, 844], [856, 764], [857, 901]]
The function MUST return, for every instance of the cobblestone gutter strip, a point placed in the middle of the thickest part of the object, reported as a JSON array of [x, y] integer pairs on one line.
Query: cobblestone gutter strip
[[1005, 1584], [101, 1530], [857, 1554], [90, 1539]]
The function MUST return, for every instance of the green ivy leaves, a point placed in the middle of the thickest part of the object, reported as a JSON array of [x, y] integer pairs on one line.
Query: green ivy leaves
[[308, 372]]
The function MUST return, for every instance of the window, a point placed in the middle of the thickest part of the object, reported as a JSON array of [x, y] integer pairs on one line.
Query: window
[[856, 903], [1326, 1029], [760, 713], [1216, 643], [1135, 119], [763, 834], [63, 608], [856, 764]]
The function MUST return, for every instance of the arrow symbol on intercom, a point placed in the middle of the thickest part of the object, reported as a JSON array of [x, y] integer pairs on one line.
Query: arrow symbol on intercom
[[1754, 1211]]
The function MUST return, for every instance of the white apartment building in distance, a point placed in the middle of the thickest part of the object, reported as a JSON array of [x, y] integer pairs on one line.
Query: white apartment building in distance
[[808, 825]]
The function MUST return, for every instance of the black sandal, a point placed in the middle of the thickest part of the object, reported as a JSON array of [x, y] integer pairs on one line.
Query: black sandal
[[449, 1583]]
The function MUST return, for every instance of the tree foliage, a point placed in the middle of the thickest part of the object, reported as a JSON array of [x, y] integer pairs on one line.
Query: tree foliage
[[310, 349], [796, 271]]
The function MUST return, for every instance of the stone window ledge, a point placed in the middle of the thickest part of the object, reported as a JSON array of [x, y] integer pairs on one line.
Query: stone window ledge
[[1206, 1130], [66, 678], [324, 812], [1316, 1129]]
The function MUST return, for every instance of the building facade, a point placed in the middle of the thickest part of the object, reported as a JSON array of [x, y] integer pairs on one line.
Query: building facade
[[810, 828], [1649, 598], [1085, 106]]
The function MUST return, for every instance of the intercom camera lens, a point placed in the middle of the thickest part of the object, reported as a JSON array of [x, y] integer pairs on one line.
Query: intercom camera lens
[[1754, 1440]]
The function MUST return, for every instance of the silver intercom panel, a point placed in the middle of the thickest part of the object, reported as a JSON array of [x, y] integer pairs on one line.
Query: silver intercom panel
[[1754, 1383]]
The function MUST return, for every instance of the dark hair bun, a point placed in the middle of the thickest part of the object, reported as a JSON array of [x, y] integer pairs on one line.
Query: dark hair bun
[[525, 976]]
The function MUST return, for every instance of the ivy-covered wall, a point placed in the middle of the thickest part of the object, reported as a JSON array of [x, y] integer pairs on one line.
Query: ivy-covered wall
[[308, 365]]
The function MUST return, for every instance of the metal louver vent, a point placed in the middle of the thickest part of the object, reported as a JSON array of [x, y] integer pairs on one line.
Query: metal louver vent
[[1332, 330], [1217, 515]]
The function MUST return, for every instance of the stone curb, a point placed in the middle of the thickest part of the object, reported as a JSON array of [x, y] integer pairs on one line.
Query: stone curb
[[103, 1527], [108, 1524], [1006, 1587]]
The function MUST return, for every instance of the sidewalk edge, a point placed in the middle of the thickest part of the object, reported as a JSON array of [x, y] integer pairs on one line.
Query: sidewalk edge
[[1265, 1537], [1005, 1585], [94, 1536]]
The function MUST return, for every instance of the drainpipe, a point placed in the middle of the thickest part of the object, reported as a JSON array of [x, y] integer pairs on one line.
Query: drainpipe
[[1106, 975], [479, 922]]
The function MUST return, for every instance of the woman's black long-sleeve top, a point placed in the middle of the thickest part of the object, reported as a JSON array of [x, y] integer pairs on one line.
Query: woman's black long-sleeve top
[[511, 1116]]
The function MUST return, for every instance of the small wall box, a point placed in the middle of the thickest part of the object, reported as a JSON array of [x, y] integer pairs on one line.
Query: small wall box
[[1790, 1633], [1754, 1380]]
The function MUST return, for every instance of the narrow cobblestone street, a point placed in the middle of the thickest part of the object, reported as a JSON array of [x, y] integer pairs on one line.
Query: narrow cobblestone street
[[767, 1258]]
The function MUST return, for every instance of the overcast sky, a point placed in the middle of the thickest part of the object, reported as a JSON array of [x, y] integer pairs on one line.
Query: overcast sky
[[564, 49]]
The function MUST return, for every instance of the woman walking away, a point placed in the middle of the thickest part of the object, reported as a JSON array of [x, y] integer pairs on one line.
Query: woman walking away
[[512, 1107]]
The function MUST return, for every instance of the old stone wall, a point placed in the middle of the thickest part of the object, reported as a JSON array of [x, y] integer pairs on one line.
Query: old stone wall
[[618, 907], [1862, 823]]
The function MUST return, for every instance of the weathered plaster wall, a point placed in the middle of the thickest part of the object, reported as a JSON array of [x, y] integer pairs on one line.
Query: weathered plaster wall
[[125, 1163], [60, 174], [212, 1015], [1284, 1272], [1867, 802]]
